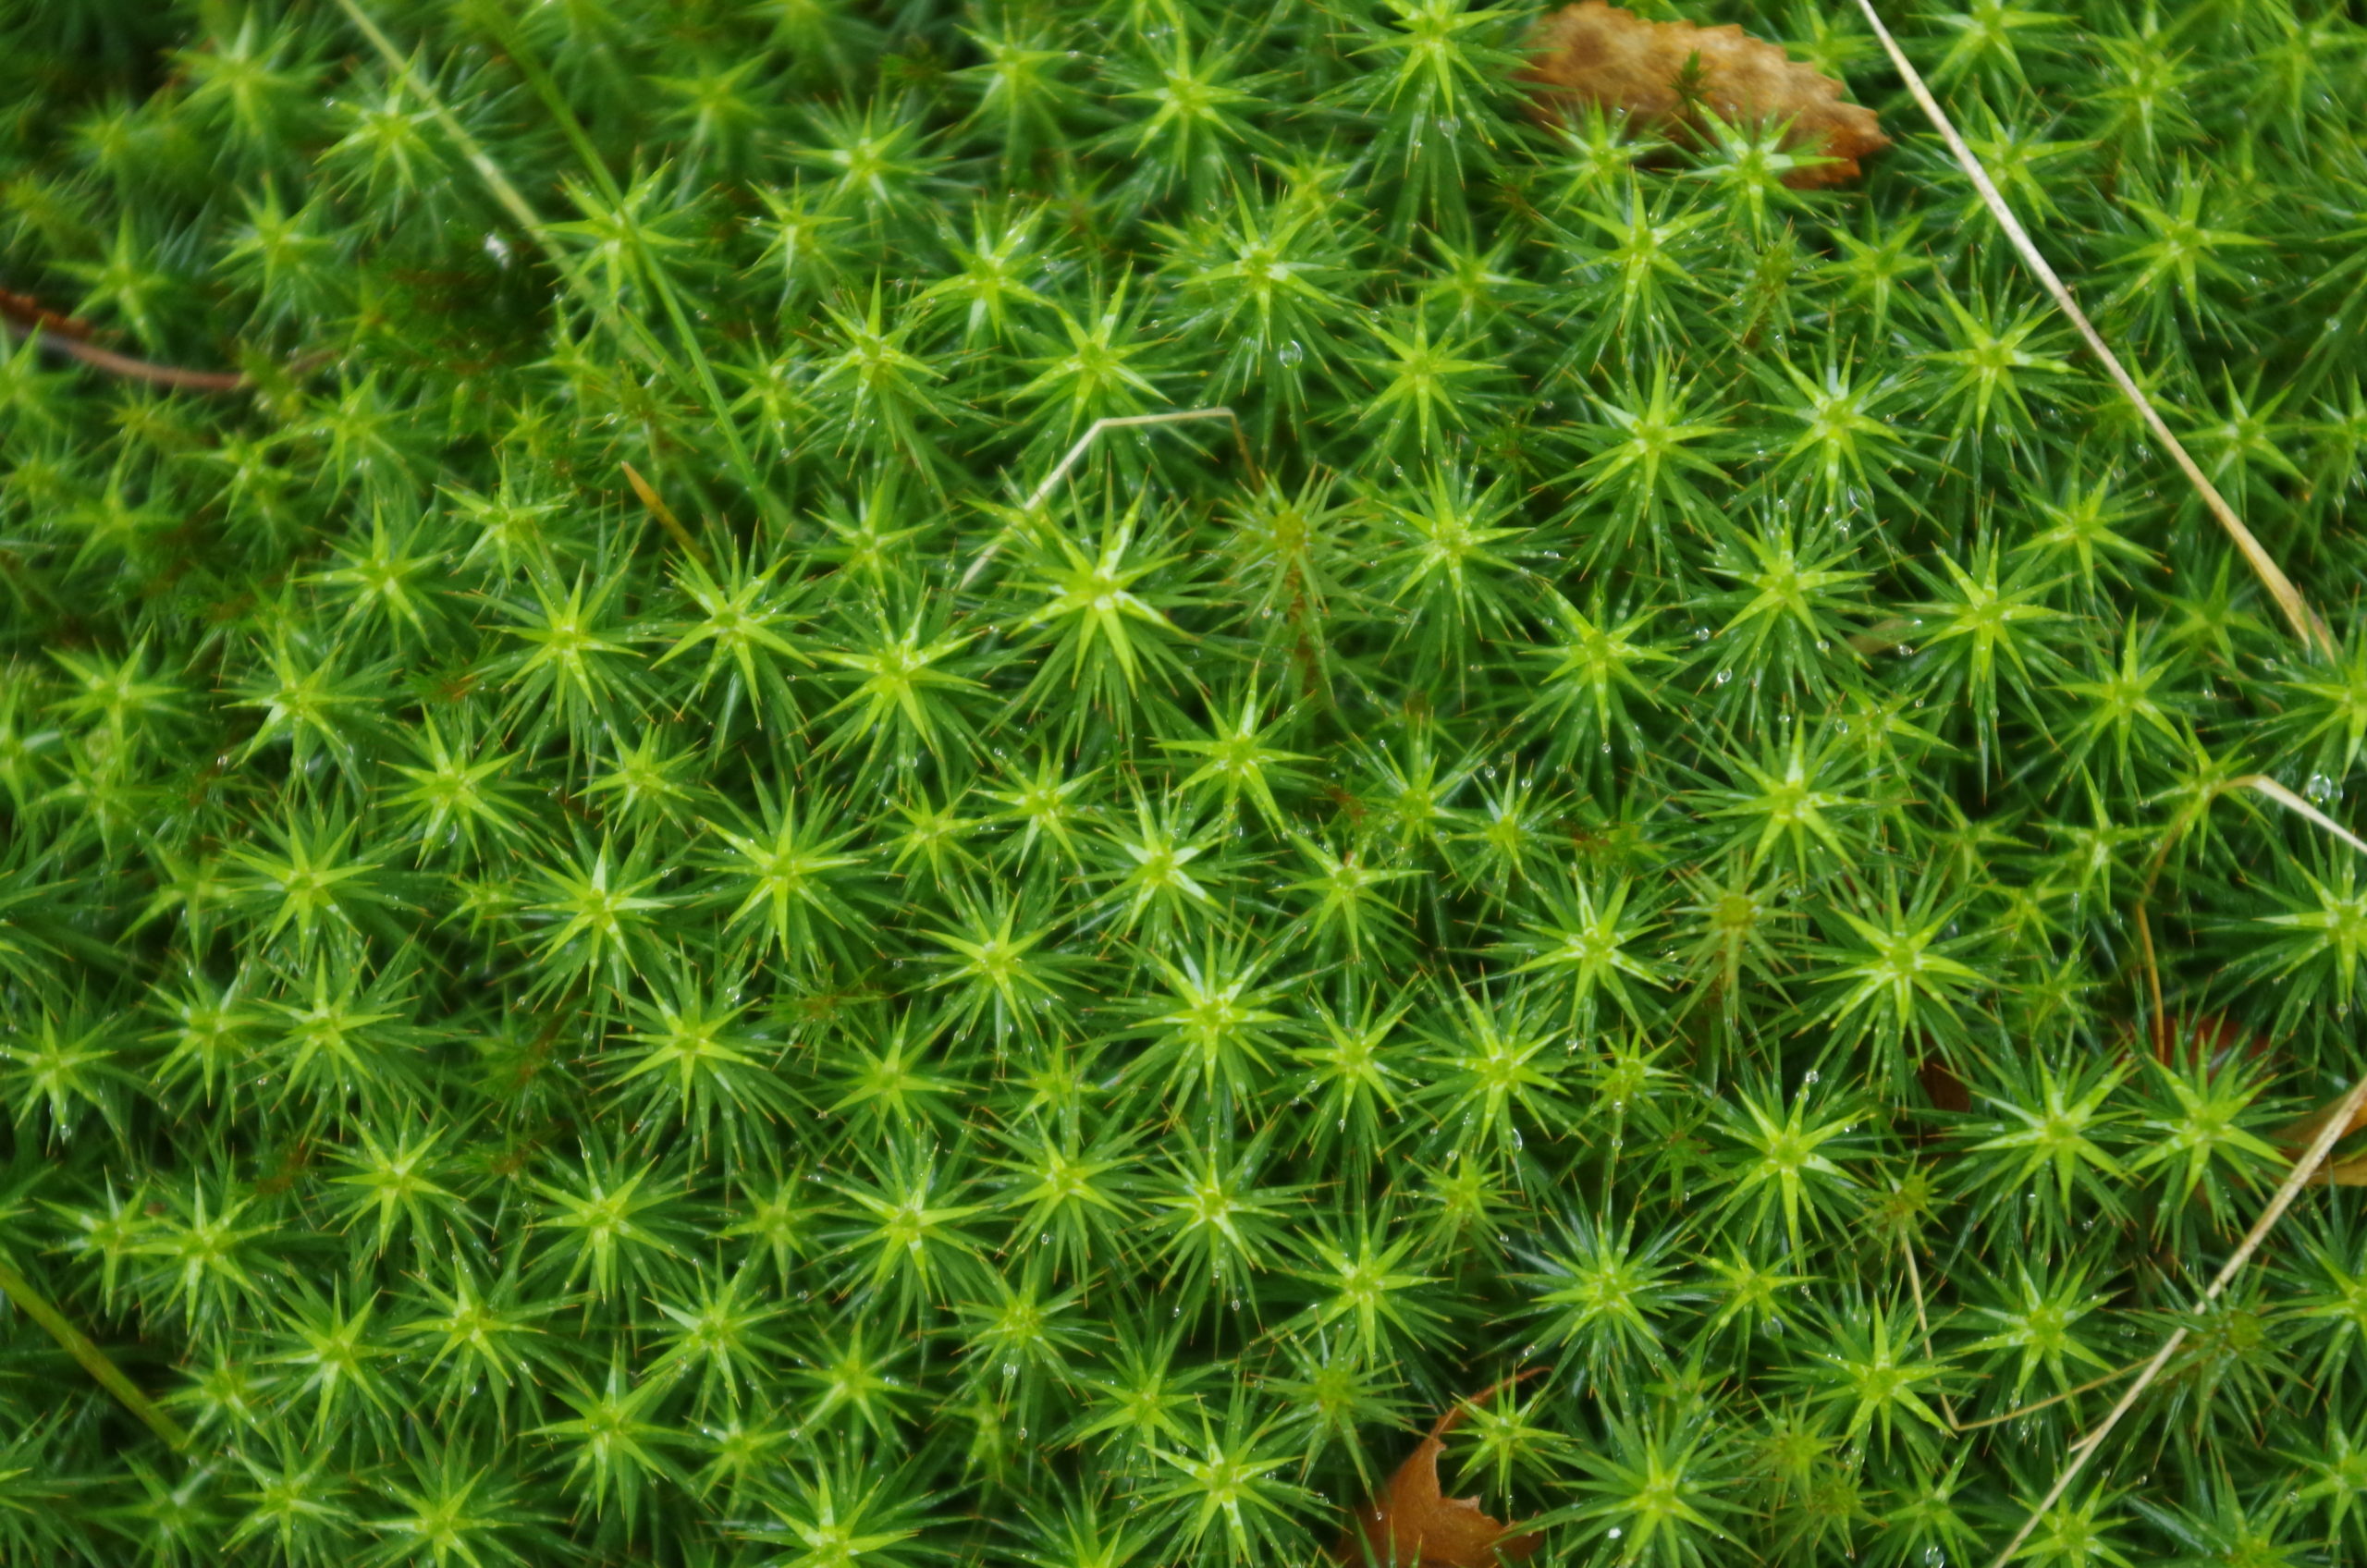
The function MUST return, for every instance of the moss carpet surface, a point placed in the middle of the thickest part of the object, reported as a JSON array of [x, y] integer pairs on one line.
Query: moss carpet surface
[[625, 940]]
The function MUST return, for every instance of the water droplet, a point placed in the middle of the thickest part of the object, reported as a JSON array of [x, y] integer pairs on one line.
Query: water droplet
[[1291, 356]]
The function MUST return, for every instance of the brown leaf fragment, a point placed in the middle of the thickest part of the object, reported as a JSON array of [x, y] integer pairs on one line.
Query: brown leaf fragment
[[1411, 1524], [1946, 1090], [2302, 1134], [1595, 54], [2349, 1173]]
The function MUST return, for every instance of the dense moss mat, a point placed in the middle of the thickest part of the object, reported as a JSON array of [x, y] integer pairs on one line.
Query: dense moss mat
[[884, 1021]]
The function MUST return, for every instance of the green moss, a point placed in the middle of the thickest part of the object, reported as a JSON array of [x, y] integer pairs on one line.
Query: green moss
[[900, 1014]]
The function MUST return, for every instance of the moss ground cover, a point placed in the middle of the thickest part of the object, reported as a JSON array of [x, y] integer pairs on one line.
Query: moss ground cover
[[623, 940]]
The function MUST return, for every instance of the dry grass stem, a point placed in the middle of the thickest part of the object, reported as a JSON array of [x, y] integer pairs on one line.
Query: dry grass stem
[[664, 514], [433, 103], [1085, 443], [2298, 613], [2336, 1123], [2303, 1170], [1923, 1320], [2038, 1404], [2260, 783], [2302, 1129]]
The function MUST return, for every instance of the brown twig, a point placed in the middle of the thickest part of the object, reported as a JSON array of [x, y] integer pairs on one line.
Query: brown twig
[[26, 311], [25, 316], [22, 316], [124, 365], [2158, 1023]]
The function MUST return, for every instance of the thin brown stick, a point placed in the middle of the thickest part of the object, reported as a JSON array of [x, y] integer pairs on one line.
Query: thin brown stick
[[124, 365], [2085, 1449], [26, 311], [2159, 1023], [2021, 1409], [2298, 613]]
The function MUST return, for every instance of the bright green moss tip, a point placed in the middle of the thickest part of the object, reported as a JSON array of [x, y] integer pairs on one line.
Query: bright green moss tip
[[867, 1009]]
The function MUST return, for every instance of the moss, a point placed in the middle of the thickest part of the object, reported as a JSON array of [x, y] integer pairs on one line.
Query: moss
[[869, 1006]]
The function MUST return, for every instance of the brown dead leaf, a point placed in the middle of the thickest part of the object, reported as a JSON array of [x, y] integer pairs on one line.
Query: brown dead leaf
[[2299, 1134], [1596, 55], [1411, 1524], [1946, 1090], [2349, 1173]]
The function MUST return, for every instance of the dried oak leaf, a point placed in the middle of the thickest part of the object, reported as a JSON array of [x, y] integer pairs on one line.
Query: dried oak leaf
[[1409, 1523], [1596, 55]]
